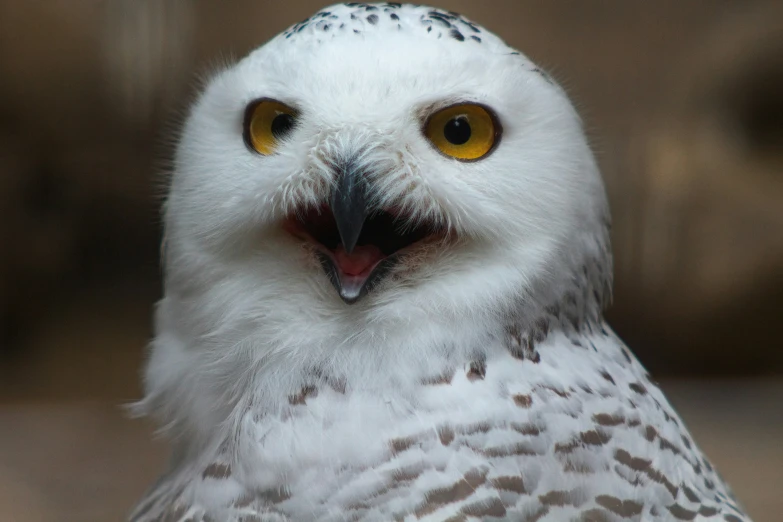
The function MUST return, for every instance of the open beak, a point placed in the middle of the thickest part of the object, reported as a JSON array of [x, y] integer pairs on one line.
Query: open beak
[[356, 244], [349, 206]]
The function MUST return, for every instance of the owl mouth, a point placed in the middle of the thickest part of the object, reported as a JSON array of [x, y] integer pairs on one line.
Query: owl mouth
[[380, 240]]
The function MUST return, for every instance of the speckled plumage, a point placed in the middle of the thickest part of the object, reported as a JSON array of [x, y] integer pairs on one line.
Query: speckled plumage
[[479, 382]]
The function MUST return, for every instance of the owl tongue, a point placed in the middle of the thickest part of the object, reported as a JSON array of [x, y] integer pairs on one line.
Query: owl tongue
[[359, 262]]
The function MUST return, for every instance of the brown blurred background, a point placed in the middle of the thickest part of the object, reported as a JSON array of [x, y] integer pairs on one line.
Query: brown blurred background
[[683, 102]]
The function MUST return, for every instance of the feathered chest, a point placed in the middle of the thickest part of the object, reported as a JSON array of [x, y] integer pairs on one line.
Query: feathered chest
[[575, 431]]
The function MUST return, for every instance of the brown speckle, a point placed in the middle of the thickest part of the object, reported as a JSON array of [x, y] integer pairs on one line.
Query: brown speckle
[[301, 397], [523, 401], [512, 449], [706, 511], [638, 388], [446, 434], [436, 498], [594, 437], [595, 515], [509, 483], [406, 474], [607, 376], [624, 508], [559, 393], [477, 371], [690, 494], [217, 470], [525, 429], [635, 463], [492, 507], [338, 385], [680, 513], [402, 444], [566, 448], [561, 498], [605, 419], [665, 444]]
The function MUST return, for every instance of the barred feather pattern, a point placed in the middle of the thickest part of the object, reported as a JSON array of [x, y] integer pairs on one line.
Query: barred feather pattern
[[606, 447], [556, 421]]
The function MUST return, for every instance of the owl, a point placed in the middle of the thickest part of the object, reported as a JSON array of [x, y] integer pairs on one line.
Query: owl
[[387, 257]]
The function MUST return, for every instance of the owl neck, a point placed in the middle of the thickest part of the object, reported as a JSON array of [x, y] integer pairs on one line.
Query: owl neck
[[203, 392]]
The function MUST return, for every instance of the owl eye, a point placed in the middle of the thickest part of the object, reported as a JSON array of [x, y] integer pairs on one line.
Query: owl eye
[[467, 131], [267, 122]]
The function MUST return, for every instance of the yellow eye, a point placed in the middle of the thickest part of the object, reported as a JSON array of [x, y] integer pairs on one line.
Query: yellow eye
[[266, 123], [467, 132]]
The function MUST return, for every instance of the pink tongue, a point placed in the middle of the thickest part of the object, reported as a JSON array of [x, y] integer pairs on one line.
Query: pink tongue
[[362, 258]]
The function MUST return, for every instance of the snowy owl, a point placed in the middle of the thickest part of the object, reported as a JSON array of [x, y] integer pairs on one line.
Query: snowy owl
[[386, 263]]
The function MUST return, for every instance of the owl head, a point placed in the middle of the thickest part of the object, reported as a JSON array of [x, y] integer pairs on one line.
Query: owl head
[[372, 174]]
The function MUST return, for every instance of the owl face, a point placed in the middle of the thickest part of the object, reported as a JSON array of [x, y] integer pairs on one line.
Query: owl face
[[390, 167]]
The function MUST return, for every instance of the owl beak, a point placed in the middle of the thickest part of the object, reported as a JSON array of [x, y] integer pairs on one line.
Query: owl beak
[[356, 243], [349, 205]]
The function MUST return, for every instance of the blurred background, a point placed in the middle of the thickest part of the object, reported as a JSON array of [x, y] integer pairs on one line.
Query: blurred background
[[683, 103]]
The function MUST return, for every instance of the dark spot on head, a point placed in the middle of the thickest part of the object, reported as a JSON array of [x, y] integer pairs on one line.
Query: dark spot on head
[[472, 26], [373, 19], [440, 19], [476, 38], [370, 8], [394, 16], [456, 35]]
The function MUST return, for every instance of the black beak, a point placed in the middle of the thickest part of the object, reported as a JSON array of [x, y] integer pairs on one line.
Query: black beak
[[349, 204]]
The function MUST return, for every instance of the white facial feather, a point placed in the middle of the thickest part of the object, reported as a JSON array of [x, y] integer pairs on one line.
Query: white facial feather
[[249, 319]]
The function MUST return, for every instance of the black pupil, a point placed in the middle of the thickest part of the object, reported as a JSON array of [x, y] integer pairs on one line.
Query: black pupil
[[457, 130], [282, 124]]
